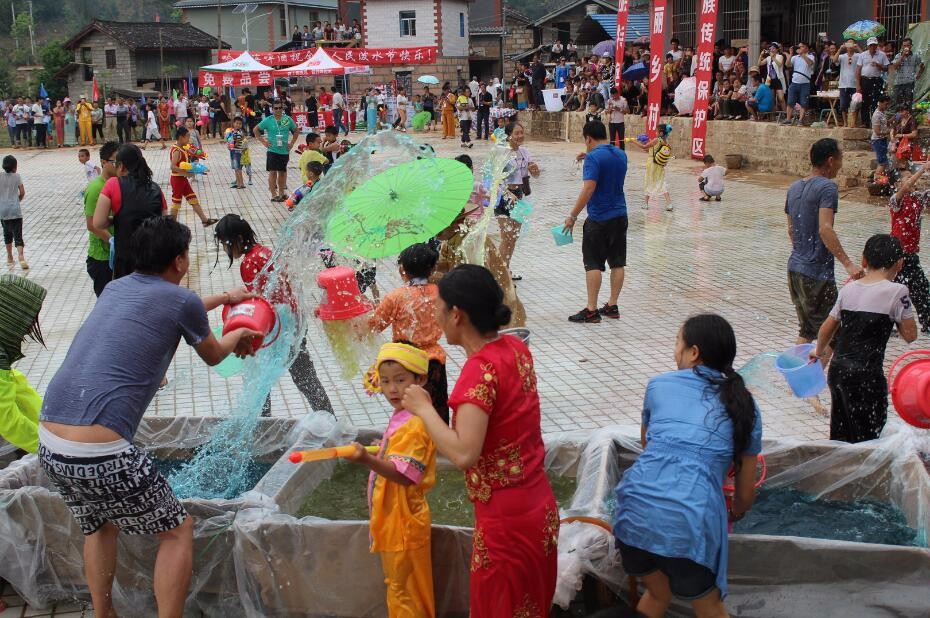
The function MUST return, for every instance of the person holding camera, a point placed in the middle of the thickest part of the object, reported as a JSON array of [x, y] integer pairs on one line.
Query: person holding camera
[[772, 62], [872, 66], [802, 68], [847, 58], [908, 68]]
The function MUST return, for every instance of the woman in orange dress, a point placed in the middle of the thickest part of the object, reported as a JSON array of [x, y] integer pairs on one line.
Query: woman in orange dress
[[448, 114], [164, 119], [496, 439], [58, 115]]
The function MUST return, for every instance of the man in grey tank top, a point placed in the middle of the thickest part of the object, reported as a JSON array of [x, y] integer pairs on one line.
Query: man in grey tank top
[[95, 401]]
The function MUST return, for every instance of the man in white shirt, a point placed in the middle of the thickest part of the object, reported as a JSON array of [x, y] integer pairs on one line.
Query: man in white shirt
[[676, 52], [109, 119], [726, 62], [616, 108], [802, 67], [21, 113], [847, 57], [473, 87], [872, 66], [38, 116], [180, 109], [339, 104]]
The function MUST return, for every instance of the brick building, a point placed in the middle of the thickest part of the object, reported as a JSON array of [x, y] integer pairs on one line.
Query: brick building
[[130, 56], [487, 33], [270, 22], [413, 23]]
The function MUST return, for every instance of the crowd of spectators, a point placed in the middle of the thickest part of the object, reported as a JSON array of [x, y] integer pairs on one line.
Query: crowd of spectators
[[781, 84]]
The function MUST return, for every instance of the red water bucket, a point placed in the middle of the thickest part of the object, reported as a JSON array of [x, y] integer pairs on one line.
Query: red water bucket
[[910, 389], [254, 314], [343, 300]]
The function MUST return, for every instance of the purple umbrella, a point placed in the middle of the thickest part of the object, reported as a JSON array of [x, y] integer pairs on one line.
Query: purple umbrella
[[636, 71], [608, 47]]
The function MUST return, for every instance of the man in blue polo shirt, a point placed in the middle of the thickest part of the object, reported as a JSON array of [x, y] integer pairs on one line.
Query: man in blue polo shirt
[[604, 230]]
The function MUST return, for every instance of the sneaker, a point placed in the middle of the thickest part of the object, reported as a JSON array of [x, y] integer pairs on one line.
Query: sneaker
[[717, 198], [669, 208], [585, 317], [645, 206], [610, 311]]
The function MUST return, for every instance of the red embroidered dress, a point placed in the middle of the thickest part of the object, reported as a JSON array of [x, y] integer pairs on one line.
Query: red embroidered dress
[[513, 564]]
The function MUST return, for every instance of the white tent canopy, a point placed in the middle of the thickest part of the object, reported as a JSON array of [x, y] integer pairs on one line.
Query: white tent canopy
[[321, 63], [242, 62]]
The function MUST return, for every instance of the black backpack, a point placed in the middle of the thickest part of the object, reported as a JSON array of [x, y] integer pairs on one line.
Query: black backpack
[[137, 203]]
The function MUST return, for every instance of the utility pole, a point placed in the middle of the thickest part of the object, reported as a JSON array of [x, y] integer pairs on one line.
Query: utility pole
[[503, 37], [161, 60], [219, 29], [32, 33], [13, 8]]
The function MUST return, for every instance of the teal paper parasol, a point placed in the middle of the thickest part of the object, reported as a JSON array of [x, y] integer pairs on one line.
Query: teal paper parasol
[[864, 29], [399, 207]]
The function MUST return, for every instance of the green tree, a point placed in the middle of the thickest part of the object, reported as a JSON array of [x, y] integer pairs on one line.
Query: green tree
[[6, 79], [54, 57], [20, 30]]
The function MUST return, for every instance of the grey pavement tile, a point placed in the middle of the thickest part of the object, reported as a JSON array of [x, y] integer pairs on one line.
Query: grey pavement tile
[[727, 257]]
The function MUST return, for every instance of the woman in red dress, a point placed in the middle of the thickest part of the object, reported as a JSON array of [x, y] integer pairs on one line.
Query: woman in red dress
[[496, 439]]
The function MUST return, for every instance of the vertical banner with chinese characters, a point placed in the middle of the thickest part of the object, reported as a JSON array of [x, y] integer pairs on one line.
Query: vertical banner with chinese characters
[[707, 23], [656, 55], [623, 13]]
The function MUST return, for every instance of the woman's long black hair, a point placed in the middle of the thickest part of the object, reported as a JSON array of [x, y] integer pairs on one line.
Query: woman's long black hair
[[716, 343], [130, 157]]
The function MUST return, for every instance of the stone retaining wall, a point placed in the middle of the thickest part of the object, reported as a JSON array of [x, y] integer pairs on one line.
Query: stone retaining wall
[[764, 146]]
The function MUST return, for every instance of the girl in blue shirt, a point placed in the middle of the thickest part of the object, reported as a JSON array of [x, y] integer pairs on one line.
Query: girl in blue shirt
[[671, 515]]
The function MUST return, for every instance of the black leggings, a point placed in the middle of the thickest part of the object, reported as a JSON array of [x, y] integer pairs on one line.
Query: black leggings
[[13, 232], [913, 276], [859, 406], [303, 373]]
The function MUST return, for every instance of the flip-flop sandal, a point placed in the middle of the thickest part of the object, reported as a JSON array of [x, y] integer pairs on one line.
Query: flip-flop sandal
[[163, 385], [209, 222], [704, 199]]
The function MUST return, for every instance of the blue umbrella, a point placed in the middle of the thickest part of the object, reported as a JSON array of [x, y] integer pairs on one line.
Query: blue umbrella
[[42, 93], [428, 79], [608, 47], [190, 83], [636, 71], [863, 30]]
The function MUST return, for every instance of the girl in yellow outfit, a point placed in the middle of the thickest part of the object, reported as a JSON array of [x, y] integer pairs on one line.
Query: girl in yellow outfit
[[20, 303], [402, 472]]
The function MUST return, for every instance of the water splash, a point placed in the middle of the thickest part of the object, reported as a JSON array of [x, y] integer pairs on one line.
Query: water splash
[[760, 373], [220, 468]]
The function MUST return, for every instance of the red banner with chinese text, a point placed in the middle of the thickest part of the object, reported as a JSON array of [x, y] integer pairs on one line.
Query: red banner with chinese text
[[623, 13], [358, 55], [220, 79], [707, 24], [656, 56]]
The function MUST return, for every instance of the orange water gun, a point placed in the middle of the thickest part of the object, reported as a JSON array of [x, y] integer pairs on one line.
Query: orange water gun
[[322, 454]]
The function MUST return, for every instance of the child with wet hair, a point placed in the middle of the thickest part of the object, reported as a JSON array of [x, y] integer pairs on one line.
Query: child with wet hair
[[238, 241], [410, 311], [402, 472], [867, 309]]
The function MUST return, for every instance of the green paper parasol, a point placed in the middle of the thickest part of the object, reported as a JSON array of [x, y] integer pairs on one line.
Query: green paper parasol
[[420, 119], [399, 207]]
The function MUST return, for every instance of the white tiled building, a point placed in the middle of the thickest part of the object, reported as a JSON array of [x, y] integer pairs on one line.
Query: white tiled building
[[414, 23]]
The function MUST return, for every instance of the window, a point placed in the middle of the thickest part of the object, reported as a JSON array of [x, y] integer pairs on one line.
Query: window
[[462, 25], [734, 20], [314, 16], [683, 26], [283, 20], [896, 15], [86, 59], [408, 23], [812, 16], [111, 58]]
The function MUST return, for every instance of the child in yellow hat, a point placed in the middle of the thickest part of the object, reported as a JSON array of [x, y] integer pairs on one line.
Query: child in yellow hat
[[402, 472]]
